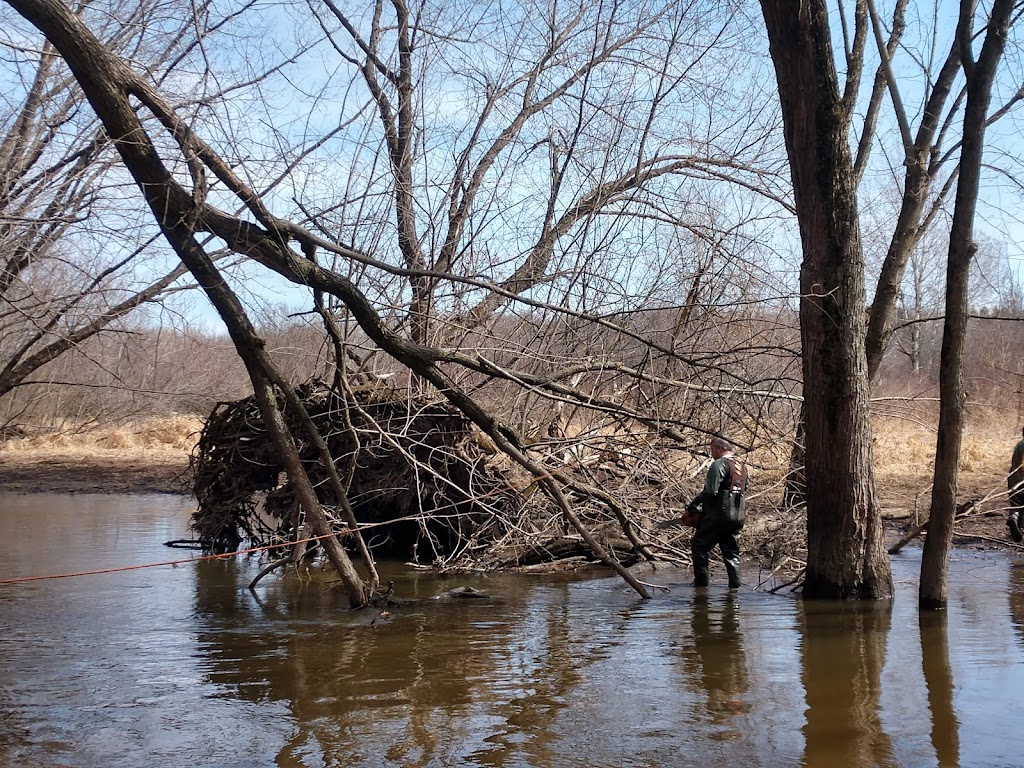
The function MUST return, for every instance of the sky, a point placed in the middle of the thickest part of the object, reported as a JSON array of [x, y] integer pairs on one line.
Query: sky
[[312, 95]]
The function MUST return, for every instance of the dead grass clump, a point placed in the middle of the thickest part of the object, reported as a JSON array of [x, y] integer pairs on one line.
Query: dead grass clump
[[899, 445], [975, 456], [116, 438], [169, 434], [175, 431], [55, 441]]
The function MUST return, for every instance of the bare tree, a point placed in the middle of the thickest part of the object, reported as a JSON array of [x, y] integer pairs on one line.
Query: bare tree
[[981, 73], [994, 291], [515, 146], [924, 162], [819, 114], [74, 260]]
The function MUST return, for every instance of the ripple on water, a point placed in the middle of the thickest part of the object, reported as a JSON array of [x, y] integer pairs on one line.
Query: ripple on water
[[184, 667]]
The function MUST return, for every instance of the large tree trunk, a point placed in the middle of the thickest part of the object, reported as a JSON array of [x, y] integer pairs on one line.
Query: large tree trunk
[[935, 561], [845, 557]]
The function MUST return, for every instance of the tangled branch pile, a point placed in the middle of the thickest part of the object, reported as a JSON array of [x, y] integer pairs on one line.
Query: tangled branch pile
[[425, 485], [417, 475]]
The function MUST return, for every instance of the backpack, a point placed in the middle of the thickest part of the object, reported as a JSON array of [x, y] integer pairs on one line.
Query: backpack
[[734, 489]]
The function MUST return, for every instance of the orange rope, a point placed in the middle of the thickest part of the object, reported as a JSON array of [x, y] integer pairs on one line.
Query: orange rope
[[165, 562]]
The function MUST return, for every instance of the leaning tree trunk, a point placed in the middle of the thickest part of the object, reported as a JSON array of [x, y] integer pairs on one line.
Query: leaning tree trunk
[[107, 84], [935, 561], [845, 555], [358, 595]]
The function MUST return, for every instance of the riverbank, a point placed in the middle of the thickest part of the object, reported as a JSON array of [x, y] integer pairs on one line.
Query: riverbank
[[98, 472], [904, 498], [153, 457]]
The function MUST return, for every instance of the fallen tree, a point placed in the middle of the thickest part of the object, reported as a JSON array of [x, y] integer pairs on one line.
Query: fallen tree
[[424, 484]]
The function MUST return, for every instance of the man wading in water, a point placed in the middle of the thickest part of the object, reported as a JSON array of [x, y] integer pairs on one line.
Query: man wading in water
[[719, 510]]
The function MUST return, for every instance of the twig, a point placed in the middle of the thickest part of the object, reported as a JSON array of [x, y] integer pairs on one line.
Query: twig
[[1003, 542], [794, 580], [273, 566]]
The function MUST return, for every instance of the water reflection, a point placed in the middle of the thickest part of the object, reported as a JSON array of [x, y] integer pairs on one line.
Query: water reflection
[[1015, 594], [303, 649], [721, 664], [184, 668], [843, 653], [938, 677], [415, 679], [525, 728]]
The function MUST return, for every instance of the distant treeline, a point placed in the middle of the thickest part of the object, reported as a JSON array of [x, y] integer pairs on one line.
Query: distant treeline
[[140, 372]]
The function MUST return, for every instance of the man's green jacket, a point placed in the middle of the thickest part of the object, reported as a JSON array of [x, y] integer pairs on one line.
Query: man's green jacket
[[724, 491]]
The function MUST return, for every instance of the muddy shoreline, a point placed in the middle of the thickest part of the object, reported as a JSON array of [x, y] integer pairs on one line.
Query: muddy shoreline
[[56, 473]]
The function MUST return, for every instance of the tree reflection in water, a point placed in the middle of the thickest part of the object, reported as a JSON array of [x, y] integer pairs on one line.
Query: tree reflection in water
[[335, 678], [1015, 593], [938, 677], [537, 678], [526, 731], [843, 653], [405, 694]]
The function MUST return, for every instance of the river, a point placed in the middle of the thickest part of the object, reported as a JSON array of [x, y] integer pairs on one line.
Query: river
[[183, 666]]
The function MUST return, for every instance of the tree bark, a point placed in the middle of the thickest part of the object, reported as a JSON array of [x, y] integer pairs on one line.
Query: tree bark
[[845, 556], [933, 591]]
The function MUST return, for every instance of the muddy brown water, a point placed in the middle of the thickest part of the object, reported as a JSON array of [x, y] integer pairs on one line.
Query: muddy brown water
[[182, 666]]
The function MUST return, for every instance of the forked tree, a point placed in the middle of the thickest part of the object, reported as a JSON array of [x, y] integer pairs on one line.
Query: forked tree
[[842, 353]]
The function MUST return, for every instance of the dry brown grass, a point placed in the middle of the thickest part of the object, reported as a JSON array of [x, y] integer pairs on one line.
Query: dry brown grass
[[904, 456], [901, 446], [904, 453], [175, 434]]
